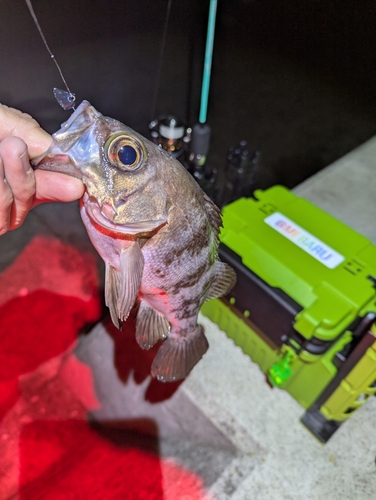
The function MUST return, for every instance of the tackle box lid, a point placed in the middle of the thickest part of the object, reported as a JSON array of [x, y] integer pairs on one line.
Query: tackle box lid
[[323, 265]]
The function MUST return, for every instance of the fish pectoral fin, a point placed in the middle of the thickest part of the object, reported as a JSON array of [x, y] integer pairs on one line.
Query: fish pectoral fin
[[177, 356], [131, 269], [224, 280], [151, 326], [121, 287], [111, 292]]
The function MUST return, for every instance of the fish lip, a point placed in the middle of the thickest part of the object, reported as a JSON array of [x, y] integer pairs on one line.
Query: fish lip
[[93, 211], [56, 162]]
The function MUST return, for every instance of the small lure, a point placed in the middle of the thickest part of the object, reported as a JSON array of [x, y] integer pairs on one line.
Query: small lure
[[65, 99]]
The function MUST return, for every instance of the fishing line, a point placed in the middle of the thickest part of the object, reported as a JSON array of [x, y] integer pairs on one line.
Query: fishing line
[[159, 71], [61, 98]]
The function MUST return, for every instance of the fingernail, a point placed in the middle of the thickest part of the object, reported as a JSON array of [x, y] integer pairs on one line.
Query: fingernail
[[25, 162]]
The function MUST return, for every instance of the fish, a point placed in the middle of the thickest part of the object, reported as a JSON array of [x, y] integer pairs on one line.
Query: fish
[[155, 229]]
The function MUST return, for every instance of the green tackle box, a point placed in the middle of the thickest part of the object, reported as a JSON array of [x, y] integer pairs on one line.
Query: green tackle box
[[304, 305]]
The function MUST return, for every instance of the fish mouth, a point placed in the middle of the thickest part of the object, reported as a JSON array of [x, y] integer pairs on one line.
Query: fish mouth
[[72, 145], [99, 215], [57, 162]]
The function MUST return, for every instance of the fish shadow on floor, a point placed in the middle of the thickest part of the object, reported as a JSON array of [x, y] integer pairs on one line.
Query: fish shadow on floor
[[130, 359], [140, 433]]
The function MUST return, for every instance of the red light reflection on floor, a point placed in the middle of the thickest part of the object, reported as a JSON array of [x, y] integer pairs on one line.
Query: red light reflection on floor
[[47, 449], [75, 462], [49, 264]]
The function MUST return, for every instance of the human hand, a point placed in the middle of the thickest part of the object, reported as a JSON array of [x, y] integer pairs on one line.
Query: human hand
[[21, 139]]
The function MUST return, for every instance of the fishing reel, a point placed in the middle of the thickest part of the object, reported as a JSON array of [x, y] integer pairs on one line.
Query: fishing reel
[[188, 145], [172, 135]]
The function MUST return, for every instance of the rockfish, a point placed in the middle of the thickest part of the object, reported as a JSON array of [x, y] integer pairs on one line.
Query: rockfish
[[155, 229]]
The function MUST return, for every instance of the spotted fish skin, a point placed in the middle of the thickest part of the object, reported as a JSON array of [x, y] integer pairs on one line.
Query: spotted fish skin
[[154, 227]]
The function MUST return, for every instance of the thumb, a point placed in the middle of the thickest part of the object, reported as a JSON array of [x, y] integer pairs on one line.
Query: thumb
[[53, 186]]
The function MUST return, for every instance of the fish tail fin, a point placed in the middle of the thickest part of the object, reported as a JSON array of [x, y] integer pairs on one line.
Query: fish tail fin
[[150, 326], [224, 280], [177, 356]]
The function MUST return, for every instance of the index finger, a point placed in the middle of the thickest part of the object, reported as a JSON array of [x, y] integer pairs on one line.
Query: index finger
[[19, 176], [15, 123]]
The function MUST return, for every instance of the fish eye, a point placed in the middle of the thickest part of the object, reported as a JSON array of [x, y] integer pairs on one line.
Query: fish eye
[[127, 155], [125, 151]]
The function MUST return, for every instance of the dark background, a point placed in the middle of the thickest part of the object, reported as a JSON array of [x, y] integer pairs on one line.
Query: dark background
[[295, 78]]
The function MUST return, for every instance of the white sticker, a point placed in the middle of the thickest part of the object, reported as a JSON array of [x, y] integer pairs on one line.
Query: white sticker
[[305, 240]]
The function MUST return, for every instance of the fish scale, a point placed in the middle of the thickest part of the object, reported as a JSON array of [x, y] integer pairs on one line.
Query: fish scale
[[155, 229]]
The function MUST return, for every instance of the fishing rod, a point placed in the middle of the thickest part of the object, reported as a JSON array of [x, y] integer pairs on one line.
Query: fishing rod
[[201, 131], [190, 145]]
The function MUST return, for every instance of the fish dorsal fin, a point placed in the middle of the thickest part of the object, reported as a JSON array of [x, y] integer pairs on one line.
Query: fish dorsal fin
[[224, 280], [122, 286], [214, 214], [151, 326]]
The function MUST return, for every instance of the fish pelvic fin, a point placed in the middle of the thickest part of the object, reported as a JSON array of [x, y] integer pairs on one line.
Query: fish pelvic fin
[[122, 286], [224, 280], [177, 356], [151, 326]]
